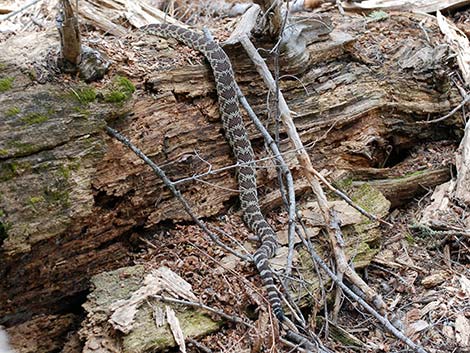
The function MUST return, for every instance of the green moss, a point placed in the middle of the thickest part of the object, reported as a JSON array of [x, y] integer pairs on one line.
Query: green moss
[[34, 118], [344, 184], [12, 111], [82, 111], [8, 171], [414, 174], [84, 95], [2, 213], [115, 97], [4, 228], [409, 238], [57, 197], [34, 200], [125, 85], [65, 171], [2, 66], [3, 152], [6, 84], [23, 148], [120, 90], [375, 16]]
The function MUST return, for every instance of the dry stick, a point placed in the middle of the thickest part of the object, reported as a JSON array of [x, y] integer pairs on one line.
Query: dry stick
[[11, 14], [382, 319], [282, 165], [175, 192], [452, 112], [290, 188], [290, 204], [310, 174], [320, 280], [198, 345], [349, 201], [232, 318]]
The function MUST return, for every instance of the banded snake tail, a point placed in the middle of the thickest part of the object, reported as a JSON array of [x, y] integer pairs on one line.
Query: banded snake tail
[[237, 137]]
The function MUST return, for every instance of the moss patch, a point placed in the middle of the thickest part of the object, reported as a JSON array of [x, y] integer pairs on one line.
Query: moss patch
[[8, 171], [84, 95], [23, 148], [120, 90], [34, 118], [57, 197], [6, 84], [4, 228], [34, 200], [12, 111]]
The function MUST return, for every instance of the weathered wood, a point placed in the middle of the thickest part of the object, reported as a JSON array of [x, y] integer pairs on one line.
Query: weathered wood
[[71, 196]]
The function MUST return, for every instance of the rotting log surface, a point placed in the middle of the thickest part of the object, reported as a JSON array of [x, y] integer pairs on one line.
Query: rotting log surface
[[71, 196]]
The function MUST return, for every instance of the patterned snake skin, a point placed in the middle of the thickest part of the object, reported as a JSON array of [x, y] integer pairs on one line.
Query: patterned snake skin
[[239, 142]]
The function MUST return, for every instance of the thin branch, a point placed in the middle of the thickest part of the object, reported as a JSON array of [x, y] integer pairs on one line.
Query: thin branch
[[382, 319], [198, 345], [281, 164], [452, 112], [11, 14], [232, 318], [175, 192], [309, 172]]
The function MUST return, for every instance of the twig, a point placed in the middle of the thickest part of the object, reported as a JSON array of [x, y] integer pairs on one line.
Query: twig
[[281, 164], [232, 318], [11, 14], [452, 112], [198, 345], [306, 343], [383, 320], [175, 192], [309, 172]]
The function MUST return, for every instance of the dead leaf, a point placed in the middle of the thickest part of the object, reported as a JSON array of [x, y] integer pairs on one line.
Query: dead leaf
[[280, 260], [432, 306], [448, 331], [283, 235], [416, 327]]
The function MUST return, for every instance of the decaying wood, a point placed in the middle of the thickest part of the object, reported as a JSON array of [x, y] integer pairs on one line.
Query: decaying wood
[[462, 189], [273, 16], [410, 5], [72, 197]]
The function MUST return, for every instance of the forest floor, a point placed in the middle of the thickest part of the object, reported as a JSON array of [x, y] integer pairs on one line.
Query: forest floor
[[422, 275]]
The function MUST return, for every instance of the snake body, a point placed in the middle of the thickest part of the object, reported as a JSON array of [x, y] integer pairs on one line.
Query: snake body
[[237, 137]]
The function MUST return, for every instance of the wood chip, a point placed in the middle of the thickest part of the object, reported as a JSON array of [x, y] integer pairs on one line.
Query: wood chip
[[465, 284], [175, 328], [161, 280], [434, 279], [462, 331], [409, 5]]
